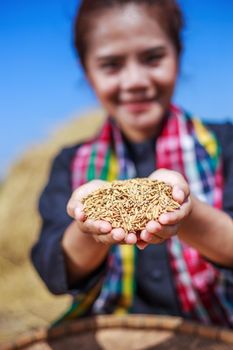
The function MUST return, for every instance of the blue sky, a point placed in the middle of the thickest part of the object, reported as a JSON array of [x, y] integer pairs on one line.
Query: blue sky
[[41, 84]]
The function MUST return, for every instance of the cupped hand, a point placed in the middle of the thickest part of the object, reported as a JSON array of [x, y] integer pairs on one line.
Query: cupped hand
[[168, 223], [100, 230]]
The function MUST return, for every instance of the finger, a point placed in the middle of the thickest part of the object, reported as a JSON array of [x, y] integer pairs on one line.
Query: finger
[[103, 226], [71, 206], [159, 175], [105, 239], [79, 213], [146, 236], [157, 240], [118, 234], [149, 237], [81, 192], [153, 226], [87, 226], [141, 245], [169, 176], [173, 218], [174, 179], [88, 188], [179, 194], [167, 232], [96, 227], [131, 238]]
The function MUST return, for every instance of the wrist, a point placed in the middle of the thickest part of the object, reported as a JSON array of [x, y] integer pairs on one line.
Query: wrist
[[188, 221], [75, 240], [82, 253]]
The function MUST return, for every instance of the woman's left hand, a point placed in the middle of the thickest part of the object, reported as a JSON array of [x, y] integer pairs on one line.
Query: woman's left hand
[[168, 223]]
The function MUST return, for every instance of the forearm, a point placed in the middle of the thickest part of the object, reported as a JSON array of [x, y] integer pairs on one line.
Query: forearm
[[82, 253], [210, 231]]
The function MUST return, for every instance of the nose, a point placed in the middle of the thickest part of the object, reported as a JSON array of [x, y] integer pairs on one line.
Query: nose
[[134, 77]]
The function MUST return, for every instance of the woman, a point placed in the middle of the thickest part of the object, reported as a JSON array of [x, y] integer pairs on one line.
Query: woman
[[130, 51]]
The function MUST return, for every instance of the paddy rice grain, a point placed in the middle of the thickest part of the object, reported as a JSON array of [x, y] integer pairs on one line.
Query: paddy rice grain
[[130, 204]]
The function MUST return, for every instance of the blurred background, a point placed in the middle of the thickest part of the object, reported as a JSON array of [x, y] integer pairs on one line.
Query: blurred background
[[41, 83], [45, 103]]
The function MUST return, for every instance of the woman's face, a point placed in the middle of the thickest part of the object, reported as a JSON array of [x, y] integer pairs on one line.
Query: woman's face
[[132, 65]]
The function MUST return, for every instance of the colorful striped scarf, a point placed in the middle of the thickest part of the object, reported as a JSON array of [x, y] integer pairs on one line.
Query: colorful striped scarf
[[186, 146]]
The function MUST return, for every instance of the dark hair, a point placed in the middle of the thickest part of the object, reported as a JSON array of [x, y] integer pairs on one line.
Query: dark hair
[[168, 12]]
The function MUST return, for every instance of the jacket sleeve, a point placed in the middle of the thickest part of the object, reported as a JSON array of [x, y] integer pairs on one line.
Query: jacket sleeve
[[227, 148], [224, 133], [47, 255]]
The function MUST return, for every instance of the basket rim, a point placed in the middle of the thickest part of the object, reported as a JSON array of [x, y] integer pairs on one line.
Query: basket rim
[[130, 321]]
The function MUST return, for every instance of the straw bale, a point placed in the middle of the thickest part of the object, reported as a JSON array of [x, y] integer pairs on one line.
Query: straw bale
[[19, 194], [24, 300]]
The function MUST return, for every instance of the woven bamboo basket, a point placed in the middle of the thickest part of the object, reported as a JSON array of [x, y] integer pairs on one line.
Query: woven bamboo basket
[[130, 332]]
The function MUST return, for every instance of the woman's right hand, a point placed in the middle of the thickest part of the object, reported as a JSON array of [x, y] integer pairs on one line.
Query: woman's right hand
[[100, 230]]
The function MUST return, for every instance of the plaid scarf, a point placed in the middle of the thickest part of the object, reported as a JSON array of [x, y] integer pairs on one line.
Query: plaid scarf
[[186, 146]]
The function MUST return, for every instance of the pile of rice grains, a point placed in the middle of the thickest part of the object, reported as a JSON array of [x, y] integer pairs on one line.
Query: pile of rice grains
[[130, 204]]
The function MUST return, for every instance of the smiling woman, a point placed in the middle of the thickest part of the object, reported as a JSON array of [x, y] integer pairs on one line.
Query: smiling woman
[[131, 62], [132, 70], [130, 51]]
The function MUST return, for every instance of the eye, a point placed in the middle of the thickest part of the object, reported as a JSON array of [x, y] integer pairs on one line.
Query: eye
[[153, 58], [111, 66]]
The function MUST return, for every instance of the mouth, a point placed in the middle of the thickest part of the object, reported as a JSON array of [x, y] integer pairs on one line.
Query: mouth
[[137, 106]]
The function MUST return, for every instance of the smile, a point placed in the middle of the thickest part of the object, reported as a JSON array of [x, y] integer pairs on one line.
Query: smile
[[137, 106]]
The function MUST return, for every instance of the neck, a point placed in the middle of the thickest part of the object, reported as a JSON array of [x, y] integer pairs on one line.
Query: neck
[[139, 136]]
